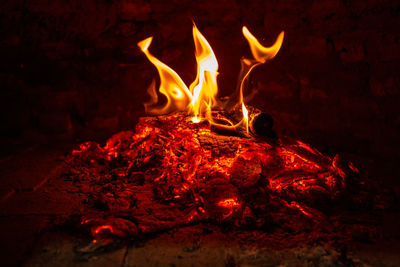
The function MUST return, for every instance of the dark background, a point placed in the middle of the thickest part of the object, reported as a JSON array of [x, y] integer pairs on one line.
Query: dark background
[[71, 71]]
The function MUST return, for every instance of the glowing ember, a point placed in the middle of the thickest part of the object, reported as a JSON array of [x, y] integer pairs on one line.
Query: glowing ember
[[172, 172], [229, 203], [103, 228]]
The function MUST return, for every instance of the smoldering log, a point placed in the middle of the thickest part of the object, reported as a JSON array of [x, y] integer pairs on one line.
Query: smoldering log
[[260, 123]]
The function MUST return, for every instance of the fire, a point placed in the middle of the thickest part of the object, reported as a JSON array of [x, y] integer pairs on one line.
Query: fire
[[171, 85], [201, 96], [180, 171], [245, 117], [204, 88], [262, 53]]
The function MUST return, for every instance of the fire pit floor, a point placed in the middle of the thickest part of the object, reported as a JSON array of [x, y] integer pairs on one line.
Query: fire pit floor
[[204, 245]]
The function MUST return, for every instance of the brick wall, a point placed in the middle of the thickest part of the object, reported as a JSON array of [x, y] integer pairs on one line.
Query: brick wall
[[71, 69]]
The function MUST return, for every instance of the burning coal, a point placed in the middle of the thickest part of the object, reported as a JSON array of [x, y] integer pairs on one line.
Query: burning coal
[[172, 172]]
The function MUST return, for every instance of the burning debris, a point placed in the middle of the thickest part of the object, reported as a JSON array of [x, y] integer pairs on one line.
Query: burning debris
[[211, 161], [172, 172]]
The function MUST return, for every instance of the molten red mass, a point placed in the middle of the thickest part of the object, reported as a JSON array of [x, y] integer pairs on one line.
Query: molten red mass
[[173, 172]]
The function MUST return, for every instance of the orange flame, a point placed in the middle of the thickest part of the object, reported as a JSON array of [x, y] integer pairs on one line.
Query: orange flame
[[262, 53], [204, 88], [200, 98], [171, 85], [245, 117]]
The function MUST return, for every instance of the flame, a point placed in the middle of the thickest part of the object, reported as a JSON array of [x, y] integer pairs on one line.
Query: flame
[[199, 99], [204, 88], [171, 85], [245, 117], [261, 53]]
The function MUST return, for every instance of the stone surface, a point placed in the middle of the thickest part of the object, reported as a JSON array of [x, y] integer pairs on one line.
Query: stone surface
[[30, 205], [200, 245], [191, 246], [29, 170], [18, 235], [60, 249]]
